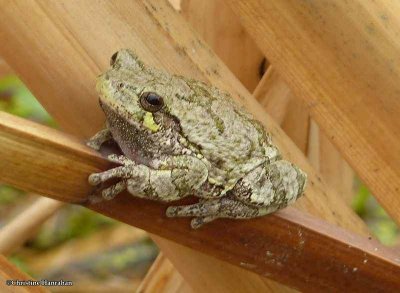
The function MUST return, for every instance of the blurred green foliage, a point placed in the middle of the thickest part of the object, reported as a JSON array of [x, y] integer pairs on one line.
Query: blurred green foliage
[[9, 195], [71, 222], [360, 200], [378, 221], [16, 99], [19, 262], [119, 260]]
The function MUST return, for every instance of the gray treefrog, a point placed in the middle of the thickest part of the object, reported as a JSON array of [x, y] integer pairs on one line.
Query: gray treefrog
[[183, 137]]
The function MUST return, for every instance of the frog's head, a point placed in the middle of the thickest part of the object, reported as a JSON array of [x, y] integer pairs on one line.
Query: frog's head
[[125, 89], [134, 94]]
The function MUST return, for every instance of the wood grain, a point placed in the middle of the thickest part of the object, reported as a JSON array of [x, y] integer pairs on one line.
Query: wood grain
[[326, 159], [212, 275], [342, 58], [163, 277], [65, 85], [288, 246], [293, 116], [289, 112], [219, 27], [10, 272], [4, 68], [34, 157]]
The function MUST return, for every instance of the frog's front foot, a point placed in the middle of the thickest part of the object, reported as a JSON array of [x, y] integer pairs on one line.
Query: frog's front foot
[[206, 211], [99, 138], [123, 172]]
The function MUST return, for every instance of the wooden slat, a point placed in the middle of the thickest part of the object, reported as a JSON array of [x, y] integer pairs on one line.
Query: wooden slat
[[222, 31], [273, 94], [9, 272], [326, 159], [288, 246], [342, 58], [20, 229], [292, 115], [161, 38], [56, 172], [163, 277], [215, 275]]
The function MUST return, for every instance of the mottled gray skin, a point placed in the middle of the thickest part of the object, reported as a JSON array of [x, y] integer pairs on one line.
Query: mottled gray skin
[[199, 143]]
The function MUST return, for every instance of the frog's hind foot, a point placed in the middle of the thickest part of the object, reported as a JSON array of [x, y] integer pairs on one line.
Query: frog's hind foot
[[111, 191], [196, 223], [209, 210]]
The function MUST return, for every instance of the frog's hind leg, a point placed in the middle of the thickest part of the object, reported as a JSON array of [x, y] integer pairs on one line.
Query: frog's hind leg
[[196, 223], [110, 192], [264, 190], [271, 186], [107, 193], [209, 210], [200, 209]]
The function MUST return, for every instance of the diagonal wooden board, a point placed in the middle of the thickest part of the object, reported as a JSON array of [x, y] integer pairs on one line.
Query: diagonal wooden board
[[221, 29], [155, 32], [293, 116], [163, 277], [342, 58]]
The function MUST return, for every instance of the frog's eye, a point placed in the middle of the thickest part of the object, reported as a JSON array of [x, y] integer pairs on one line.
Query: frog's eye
[[113, 58], [151, 101]]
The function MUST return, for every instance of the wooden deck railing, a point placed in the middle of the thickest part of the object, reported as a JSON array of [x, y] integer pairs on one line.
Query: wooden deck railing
[[58, 50]]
